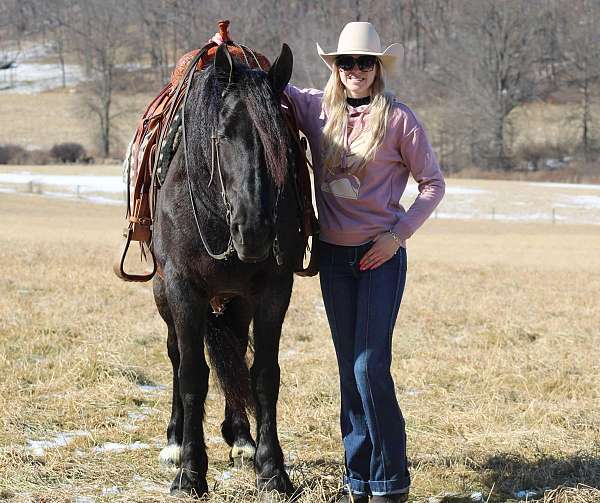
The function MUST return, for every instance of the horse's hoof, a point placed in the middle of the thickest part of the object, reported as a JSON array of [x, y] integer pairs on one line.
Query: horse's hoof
[[242, 454], [279, 482], [170, 456], [184, 485]]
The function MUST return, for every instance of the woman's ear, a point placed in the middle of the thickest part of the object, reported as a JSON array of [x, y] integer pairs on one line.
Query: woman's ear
[[281, 69]]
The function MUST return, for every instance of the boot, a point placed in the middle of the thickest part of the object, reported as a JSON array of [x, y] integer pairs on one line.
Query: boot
[[390, 498], [353, 498]]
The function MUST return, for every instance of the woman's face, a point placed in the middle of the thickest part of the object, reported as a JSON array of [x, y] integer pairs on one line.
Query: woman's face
[[356, 81]]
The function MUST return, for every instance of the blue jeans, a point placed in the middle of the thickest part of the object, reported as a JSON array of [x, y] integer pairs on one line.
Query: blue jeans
[[362, 308]]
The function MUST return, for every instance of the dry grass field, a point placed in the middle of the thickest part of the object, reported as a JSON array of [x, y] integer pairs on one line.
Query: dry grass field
[[496, 363]]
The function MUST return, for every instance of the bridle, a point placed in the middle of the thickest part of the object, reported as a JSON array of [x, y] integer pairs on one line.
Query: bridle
[[216, 161]]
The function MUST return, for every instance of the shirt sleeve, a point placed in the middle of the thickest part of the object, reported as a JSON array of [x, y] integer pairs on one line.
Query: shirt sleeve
[[422, 163], [307, 103]]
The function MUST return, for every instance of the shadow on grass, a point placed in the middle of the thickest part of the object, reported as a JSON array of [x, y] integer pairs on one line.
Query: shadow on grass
[[509, 473]]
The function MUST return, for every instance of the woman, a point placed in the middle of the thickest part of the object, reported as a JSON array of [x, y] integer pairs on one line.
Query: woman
[[364, 145]]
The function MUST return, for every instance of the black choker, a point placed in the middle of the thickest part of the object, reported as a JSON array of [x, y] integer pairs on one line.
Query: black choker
[[357, 102]]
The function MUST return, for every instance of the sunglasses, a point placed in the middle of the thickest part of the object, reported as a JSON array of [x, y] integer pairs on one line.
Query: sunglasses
[[365, 63]]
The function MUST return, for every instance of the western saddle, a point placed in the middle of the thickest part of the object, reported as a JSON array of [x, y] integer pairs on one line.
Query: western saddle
[[156, 140]]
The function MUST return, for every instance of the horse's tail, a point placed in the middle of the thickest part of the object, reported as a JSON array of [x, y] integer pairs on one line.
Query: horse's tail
[[227, 355]]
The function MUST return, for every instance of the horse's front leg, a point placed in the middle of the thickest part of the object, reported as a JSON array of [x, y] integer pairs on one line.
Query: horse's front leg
[[188, 309], [171, 454], [268, 318]]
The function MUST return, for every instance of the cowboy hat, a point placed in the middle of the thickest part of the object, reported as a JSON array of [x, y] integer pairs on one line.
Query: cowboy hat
[[360, 37]]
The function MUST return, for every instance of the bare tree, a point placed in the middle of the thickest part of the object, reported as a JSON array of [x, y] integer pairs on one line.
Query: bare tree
[[488, 66], [583, 71], [102, 40]]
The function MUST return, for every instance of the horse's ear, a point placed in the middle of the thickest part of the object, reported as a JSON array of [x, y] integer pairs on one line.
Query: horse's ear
[[223, 64], [281, 69]]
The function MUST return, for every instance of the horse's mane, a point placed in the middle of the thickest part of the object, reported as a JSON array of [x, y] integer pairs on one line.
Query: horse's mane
[[263, 109]]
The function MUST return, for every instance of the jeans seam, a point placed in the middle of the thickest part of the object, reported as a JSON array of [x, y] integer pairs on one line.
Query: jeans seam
[[391, 324], [369, 383]]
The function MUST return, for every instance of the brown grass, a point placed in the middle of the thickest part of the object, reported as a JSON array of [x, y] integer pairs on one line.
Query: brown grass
[[59, 116], [496, 357]]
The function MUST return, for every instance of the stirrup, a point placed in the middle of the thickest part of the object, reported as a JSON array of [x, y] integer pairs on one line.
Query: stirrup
[[119, 264]]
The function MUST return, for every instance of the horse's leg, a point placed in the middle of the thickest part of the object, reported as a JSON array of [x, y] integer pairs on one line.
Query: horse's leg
[[268, 318], [188, 310], [170, 455], [236, 427], [227, 339]]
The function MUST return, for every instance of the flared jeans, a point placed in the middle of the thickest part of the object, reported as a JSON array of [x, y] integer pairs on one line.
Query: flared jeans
[[361, 309]]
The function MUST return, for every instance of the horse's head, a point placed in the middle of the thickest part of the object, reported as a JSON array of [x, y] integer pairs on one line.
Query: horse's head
[[253, 149]]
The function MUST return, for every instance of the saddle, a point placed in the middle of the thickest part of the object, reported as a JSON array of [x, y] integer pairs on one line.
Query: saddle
[[157, 138]]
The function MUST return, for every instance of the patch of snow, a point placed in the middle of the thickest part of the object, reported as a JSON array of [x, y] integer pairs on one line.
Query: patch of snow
[[586, 186], [526, 493], [152, 388], [84, 499], [137, 415], [111, 490], [413, 392], [215, 440], [225, 475], [118, 448], [587, 202], [149, 486], [38, 447], [476, 496], [86, 183], [33, 78]]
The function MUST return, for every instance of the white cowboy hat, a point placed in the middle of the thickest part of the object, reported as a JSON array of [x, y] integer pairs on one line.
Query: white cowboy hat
[[361, 38]]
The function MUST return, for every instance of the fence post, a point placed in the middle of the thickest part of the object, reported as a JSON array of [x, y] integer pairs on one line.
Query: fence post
[[30, 186], [553, 215]]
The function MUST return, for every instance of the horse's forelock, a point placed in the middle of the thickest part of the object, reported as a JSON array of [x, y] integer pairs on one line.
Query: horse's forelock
[[264, 112]]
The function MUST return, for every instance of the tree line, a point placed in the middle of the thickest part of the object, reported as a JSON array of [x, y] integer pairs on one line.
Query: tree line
[[473, 62]]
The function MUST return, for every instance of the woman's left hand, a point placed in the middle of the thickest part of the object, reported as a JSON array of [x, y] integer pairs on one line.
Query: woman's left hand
[[383, 249]]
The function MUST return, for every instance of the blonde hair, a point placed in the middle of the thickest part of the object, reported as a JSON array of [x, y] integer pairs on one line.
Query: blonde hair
[[334, 100]]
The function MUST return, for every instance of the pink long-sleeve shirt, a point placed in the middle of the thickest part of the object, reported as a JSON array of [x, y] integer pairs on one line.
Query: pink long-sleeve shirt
[[354, 208]]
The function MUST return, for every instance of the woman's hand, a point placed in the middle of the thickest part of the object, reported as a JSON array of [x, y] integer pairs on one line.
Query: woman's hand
[[384, 248]]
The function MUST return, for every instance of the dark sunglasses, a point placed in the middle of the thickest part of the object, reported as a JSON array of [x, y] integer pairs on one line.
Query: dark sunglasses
[[365, 63]]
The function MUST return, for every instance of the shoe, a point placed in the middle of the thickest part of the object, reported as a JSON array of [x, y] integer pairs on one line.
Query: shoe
[[353, 498], [390, 498]]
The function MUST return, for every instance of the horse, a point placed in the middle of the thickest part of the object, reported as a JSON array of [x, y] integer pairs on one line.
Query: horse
[[226, 239]]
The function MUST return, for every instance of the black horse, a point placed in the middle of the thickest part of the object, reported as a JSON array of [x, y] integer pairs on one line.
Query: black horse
[[227, 234]]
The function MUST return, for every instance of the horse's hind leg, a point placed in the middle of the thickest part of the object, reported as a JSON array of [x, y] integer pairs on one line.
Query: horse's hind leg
[[171, 454], [227, 338], [268, 318], [236, 432]]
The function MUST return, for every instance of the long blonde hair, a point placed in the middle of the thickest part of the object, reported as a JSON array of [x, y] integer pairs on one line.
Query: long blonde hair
[[334, 100]]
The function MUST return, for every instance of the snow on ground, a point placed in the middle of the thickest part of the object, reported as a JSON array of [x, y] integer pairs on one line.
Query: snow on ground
[[39, 447], [118, 448], [30, 77], [505, 201], [111, 184]]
